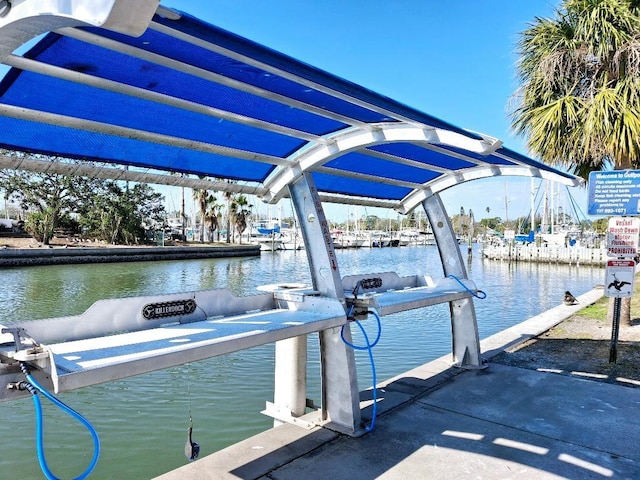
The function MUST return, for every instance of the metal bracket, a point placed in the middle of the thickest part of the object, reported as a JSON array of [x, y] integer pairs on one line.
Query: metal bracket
[[25, 349], [284, 415], [17, 333], [363, 301]]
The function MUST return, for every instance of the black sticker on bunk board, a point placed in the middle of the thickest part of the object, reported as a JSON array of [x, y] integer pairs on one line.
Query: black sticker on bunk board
[[168, 309], [368, 283]]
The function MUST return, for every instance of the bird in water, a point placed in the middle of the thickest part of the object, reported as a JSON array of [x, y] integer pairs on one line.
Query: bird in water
[[569, 299], [191, 448]]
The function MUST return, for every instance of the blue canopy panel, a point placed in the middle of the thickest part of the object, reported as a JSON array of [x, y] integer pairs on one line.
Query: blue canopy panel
[[423, 155], [188, 97], [104, 63], [78, 144], [358, 188], [370, 165], [297, 90]]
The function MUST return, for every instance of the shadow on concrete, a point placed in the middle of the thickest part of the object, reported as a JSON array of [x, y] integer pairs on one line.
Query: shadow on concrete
[[494, 423], [584, 358]]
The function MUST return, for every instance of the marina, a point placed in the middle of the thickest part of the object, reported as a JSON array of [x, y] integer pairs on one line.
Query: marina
[[142, 415], [160, 351]]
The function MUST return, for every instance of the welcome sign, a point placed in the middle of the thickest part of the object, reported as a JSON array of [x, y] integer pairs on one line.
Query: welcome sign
[[614, 192]]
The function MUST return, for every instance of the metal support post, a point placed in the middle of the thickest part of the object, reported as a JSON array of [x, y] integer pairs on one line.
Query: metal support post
[[464, 326], [290, 387], [340, 395]]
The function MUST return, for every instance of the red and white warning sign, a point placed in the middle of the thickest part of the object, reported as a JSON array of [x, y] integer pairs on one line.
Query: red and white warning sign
[[623, 236], [619, 276]]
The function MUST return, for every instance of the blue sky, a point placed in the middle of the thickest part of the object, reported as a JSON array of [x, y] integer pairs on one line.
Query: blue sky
[[454, 60]]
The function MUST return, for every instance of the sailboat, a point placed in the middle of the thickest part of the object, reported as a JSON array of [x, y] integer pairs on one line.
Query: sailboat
[[267, 235]]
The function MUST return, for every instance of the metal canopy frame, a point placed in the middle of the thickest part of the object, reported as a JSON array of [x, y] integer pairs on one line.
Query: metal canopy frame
[[269, 119], [129, 82]]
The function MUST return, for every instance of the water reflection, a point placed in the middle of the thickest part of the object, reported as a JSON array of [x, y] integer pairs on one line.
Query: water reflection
[[145, 417]]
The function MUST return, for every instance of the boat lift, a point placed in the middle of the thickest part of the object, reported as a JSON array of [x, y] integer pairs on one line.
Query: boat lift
[[131, 82]]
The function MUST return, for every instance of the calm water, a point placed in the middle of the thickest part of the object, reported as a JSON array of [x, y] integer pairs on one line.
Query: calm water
[[142, 421]]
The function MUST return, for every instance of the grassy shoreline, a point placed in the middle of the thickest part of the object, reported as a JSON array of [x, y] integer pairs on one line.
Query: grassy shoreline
[[581, 345]]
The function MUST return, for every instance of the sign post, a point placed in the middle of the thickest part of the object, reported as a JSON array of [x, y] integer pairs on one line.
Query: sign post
[[615, 331], [617, 192], [623, 238], [619, 277]]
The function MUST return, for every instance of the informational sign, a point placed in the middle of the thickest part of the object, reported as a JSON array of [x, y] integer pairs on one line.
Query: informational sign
[[614, 192], [623, 236], [619, 276]]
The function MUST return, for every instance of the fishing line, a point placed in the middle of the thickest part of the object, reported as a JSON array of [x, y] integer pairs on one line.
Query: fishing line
[[191, 448]]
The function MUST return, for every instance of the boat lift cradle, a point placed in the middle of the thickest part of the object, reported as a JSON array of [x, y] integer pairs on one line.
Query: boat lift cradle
[[122, 337], [130, 82], [163, 331]]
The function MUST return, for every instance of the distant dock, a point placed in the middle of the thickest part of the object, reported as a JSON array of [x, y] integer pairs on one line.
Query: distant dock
[[552, 254]]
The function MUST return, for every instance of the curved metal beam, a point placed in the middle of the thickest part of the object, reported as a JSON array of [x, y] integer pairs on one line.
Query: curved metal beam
[[134, 134], [418, 196], [29, 18], [105, 84], [110, 173], [353, 139]]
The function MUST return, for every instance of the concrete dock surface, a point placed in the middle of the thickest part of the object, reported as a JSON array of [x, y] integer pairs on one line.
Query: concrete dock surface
[[440, 422]]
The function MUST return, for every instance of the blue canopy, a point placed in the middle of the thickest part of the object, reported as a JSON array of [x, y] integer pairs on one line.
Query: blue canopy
[[188, 97]]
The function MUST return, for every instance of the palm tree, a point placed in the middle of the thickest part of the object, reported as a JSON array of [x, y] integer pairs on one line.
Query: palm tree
[[579, 101], [203, 198], [228, 197], [240, 209], [212, 216]]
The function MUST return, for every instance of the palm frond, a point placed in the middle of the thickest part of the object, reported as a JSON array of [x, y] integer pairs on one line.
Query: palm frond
[[579, 99]]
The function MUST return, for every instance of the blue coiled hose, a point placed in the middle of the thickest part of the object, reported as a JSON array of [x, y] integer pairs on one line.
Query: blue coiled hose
[[479, 294], [369, 348], [34, 388]]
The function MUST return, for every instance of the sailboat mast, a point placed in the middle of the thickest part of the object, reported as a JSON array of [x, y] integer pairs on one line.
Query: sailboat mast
[[545, 207], [533, 207], [506, 204]]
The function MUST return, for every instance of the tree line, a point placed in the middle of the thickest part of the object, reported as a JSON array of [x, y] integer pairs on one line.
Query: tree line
[[115, 212], [107, 210]]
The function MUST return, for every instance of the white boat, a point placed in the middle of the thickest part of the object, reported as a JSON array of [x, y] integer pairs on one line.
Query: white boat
[[426, 238], [268, 243], [174, 228], [383, 239], [347, 240], [291, 239], [267, 235]]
